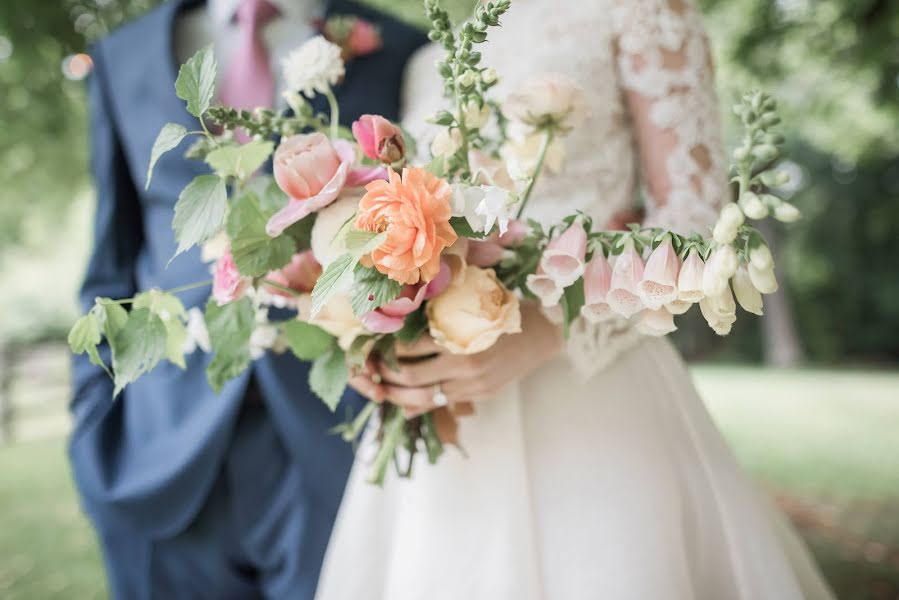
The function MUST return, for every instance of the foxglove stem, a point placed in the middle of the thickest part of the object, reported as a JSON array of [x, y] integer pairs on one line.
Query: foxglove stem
[[541, 158], [174, 290], [282, 288], [359, 421]]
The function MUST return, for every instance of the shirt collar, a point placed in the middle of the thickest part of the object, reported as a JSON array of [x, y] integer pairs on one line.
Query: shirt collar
[[222, 11]]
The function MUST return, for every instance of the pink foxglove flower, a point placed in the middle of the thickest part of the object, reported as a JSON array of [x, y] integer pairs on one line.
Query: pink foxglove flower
[[659, 285], [626, 275], [656, 323], [720, 311], [563, 259], [379, 139], [721, 266], [515, 234], [747, 295], [545, 288], [597, 281], [763, 279], [390, 317], [228, 284], [689, 282]]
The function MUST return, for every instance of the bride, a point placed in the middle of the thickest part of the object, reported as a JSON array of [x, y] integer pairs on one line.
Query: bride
[[591, 467]]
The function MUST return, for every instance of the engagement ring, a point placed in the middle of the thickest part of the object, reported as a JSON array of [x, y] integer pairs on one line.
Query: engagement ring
[[440, 398]]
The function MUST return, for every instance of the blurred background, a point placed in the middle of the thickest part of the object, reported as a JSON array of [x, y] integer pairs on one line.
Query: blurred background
[[808, 396]]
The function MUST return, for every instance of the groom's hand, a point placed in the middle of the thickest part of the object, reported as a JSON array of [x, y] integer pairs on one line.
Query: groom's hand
[[465, 378]]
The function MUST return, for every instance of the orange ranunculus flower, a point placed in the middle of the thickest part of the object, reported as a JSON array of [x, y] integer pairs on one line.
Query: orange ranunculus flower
[[414, 210]]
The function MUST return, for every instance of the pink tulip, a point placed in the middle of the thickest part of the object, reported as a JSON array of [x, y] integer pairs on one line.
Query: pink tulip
[[626, 276], [597, 281], [312, 172], [379, 139], [228, 284], [515, 234], [300, 274], [656, 323], [390, 317], [484, 253], [689, 282], [545, 288], [364, 38], [659, 284], [563, 259]]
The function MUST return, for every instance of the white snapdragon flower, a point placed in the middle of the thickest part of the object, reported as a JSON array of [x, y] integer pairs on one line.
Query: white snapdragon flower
[[496, 208], [466, 199], [313, 67], [474, 116]]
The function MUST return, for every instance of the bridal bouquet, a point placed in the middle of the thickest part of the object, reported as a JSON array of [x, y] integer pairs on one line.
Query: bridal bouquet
[[371, 247]]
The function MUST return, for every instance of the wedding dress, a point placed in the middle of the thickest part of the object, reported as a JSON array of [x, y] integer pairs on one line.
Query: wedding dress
[[602, 474]]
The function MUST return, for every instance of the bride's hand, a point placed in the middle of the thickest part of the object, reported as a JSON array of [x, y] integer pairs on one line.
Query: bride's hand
[[465, 378]]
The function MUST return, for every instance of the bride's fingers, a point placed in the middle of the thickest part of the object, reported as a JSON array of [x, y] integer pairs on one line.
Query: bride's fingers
[[368, 388], [427, 372], [423, 346]]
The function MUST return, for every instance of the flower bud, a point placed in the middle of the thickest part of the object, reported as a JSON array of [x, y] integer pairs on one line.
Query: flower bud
[[475, 116], [718, 270], [747, 294], [729, 222], [775, 178], [752, 206], [467, 79], [489, 76], [763, 279], [786, 213], [765, 152], [741, 153]]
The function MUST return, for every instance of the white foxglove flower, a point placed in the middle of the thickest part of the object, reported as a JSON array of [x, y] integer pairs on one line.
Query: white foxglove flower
[[197, 334], [721, 266], [752, 206], [720, 311], [678, 307], [761, 257], [659, 284], [314, 67], [545, 288], [689, 282], [467, 79], [786, 213], [626, 275], [764, 280], [656, 323], [728, 223], [446, 143], [747, 294], [495, 206], [466, 199]]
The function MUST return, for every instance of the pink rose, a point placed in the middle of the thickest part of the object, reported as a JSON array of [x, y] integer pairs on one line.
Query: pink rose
[[364, 38], [300, 274], [379, 138], [312, 172], [228, 284]]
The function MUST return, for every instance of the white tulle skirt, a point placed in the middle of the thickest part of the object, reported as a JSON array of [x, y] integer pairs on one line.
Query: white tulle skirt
[[619, 488]]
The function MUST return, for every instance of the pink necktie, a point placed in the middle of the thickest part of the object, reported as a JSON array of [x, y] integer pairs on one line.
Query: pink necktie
[[248, 81]]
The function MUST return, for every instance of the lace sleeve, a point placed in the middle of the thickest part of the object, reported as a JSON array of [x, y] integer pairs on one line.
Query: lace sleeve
[[666, 77], [665, 72]]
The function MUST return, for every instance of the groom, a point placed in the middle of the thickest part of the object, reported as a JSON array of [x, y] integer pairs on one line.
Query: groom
[[194, 494]]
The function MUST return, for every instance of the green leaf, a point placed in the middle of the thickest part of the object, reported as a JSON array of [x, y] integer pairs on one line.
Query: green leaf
[[171, 311], [196, 81], [230, 328], [199, 211], [413, 327], [572, 301], [307, 341], [85, 334], [168, 139], [271, 198], [359, 349], [463, 229], [255, 252], [328, 377], [360, 242], [372, 290], [139, 347], [112, 317], [338, 275], [240, 161]]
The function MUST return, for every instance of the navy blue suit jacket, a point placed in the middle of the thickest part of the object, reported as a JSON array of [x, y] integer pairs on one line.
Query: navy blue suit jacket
[[147, 460]]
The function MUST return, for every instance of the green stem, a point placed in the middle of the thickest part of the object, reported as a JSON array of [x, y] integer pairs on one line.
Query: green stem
[[282, 288], [393, 433], [544, 149], [174, 290], [335, 113], [358, 423]]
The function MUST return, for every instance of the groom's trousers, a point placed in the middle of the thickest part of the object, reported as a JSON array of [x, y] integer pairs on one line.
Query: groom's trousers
[[245, 542]]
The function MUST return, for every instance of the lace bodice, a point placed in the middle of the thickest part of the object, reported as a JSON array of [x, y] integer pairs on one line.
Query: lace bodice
[[653, 124]]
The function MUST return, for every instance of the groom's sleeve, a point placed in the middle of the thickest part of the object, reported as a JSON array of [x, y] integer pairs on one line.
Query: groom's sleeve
[[117, 235]]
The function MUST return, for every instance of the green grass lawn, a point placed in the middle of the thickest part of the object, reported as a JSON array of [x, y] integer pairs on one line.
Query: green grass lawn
[[826, 443]]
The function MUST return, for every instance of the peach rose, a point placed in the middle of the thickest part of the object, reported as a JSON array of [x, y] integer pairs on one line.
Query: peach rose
[[414, 210], [473, 312]]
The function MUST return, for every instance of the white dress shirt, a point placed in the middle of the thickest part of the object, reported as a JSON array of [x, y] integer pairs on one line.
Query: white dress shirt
[[214, 23]]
